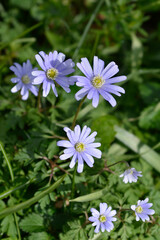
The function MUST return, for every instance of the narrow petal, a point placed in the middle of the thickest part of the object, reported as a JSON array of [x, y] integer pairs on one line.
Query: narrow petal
[[103, 207], [15, 80], [95, 100], [87, 159], [86, 65], [92, 219], [81, 93], [34, 90], [64, 143], [91, 93], [116, 79], [94, 152], [73, 161], [80, 164], [40, 62], [66, 156], [25, 96], [16, 88], [38, 73]]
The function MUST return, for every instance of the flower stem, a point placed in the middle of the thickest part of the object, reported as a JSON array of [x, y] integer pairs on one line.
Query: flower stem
[[77, 112], [119, 162], [73, 182], [39, 98]]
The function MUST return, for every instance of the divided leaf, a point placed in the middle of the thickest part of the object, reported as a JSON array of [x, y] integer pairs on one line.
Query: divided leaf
[[32, 223]]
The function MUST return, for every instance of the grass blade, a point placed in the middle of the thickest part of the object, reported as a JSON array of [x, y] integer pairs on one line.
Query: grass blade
[[91, 196], [7, 161], [87, 29], [32, 200], [134, 143]]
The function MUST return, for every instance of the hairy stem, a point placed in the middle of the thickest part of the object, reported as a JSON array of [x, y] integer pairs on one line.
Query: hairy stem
[[39, 99], [118, 163], [77, 112], [73, 182]]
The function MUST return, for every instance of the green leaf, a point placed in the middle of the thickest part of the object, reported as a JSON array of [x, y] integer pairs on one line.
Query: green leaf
[[91, 196], [32, 223], [40, 236], [33, 200], [52, 149], [105, 127], [150, 117], [76, 232], [134, 143], [125, 232], [8, 226], [150, 91]]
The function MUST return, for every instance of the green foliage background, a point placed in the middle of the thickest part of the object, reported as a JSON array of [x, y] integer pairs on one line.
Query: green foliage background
[[124, 31]]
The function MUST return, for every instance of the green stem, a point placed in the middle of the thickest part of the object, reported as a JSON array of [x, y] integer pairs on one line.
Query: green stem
[[77, 112], [12, 178], [8, 192], [73, 182], [32, 200], [39, 99], [87, 29], [22, 34], [18, 230], [7, 161], [117, 163]]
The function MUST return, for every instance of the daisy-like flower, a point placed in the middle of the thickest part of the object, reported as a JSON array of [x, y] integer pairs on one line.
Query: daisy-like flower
[[54, 70], [98, 81], [80, 147], [103, 219], [142, 210], [131, 175], [24, 79]]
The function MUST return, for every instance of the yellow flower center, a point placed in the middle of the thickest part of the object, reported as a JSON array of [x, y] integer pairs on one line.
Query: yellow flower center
[[139, 209], [52, 73], [97, 81], [102, 218], [80, 147], [131, 172], [25, 79]]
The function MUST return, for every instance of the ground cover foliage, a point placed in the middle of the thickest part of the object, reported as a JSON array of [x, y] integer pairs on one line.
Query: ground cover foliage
[[38, 199]]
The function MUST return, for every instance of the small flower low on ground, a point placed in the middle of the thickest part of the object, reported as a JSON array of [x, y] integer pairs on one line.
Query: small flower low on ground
[[103, 219], [142, 210], [131, 175]]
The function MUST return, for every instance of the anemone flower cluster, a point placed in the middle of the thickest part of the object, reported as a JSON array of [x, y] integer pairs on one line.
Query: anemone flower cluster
[[55, 71], [80, 146]]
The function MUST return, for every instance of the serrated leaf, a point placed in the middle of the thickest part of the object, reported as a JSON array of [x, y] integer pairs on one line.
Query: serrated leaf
[[134, 143], [32, 223], [40, 236], [8, 226], [125, 232], [91, 196], [76, 232]]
